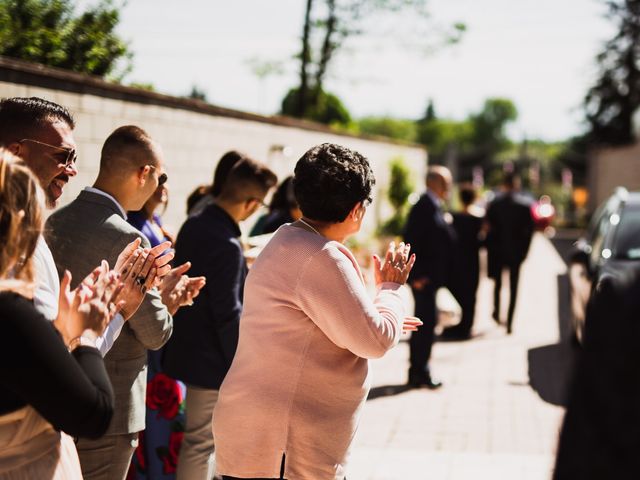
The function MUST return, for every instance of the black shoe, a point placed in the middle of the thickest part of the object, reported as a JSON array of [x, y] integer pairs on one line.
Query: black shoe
[[454, 334], [425, 382], [496, 317]]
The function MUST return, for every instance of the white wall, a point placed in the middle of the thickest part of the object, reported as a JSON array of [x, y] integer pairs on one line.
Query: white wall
[[193, 142]]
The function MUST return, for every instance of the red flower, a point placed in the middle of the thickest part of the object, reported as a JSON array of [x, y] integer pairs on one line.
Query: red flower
[[164, 395], [139, 453], [170, 456], [138, 463]]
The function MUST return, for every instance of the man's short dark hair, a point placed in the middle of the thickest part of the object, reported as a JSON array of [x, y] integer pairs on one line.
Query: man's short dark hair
[[330, 180], [225, 164], [21, 116], [283, 198], [467, 194], [123, 147], [510, 179], [246, 180]]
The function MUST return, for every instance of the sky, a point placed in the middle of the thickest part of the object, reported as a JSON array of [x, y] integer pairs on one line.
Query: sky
[[540, 54]]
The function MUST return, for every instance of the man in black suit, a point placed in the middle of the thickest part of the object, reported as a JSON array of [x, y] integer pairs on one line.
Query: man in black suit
[[431, 239], [205, 336], [510, 231]]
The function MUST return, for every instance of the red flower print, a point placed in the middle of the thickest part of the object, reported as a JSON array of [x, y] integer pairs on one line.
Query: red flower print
[[170, 455], [164, 395]]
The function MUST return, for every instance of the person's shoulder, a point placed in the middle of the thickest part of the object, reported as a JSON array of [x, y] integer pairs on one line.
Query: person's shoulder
[[423, 205], [60, 214], [11, 297], [15, 307], [334, 255]]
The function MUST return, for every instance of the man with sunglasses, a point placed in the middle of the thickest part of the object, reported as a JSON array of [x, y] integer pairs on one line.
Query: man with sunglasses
[[40, 133]]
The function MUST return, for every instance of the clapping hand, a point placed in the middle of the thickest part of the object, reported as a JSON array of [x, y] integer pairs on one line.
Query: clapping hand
[[88, 309], [411, 324], [396, 266], [141, 269], [178, 290]]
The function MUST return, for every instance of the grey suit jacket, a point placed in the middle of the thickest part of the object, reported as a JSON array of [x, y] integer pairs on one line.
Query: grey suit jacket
[[80, 235]]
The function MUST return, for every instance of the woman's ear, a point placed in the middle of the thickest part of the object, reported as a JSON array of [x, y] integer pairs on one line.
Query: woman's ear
[[357, 212]]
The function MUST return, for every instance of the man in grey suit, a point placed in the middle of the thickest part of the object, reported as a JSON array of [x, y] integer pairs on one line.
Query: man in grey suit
[[91, 228]]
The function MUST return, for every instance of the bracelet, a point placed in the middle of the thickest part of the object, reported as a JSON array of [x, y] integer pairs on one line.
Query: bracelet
[[80, 341]]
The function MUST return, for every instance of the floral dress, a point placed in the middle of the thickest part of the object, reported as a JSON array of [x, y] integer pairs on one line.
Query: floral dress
[[159, 444]]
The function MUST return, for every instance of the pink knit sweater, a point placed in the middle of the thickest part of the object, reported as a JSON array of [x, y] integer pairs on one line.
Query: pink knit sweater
[[300, 374]]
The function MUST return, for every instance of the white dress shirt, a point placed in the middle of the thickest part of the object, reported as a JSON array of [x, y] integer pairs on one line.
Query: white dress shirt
[[47, 292]]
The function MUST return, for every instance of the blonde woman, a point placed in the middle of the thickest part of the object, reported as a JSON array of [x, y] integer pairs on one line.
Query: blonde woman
[[52, 378]]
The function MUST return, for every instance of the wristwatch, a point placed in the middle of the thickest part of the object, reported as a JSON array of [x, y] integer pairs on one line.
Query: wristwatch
[[81, 342]]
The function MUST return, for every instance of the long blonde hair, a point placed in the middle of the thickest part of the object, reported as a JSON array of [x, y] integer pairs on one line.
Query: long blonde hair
[[20, 224]]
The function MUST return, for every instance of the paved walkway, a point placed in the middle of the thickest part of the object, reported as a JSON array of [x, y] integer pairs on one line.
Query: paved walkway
[[486, 422]]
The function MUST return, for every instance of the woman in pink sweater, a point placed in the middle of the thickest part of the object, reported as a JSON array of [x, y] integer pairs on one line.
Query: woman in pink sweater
[[289, 406]]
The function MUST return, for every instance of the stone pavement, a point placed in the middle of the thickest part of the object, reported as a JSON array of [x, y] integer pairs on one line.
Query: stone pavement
[[486, 422]]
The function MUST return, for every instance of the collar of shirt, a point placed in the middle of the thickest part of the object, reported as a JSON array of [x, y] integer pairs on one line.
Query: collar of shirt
[[110, 197], [219, 212], [434, 198]]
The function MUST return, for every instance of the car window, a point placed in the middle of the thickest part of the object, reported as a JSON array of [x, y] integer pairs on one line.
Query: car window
[[626, 244], [597, 240], [595, 222], [599, 228]]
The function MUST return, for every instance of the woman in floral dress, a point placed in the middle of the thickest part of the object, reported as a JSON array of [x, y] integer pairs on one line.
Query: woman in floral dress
[[157, 454]]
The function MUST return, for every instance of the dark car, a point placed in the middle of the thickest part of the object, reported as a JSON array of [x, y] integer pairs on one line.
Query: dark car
[[610, 244]]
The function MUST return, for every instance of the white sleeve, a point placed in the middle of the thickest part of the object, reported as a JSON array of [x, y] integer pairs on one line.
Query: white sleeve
[[45, 297], [110, 335]]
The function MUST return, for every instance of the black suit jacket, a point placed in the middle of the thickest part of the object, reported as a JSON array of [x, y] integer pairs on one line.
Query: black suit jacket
[[205, 335], [600, 437], [432, 240], [510, 230]]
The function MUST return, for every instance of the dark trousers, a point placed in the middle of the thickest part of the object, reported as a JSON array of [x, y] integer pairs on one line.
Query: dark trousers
[[464, 290], [467, 301], [514, 277], [421, 340]]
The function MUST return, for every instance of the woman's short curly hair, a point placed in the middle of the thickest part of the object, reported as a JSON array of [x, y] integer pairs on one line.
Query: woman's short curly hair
[[329, 180]]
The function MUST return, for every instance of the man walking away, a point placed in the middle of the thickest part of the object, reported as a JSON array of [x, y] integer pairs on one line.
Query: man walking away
[[510, 232]]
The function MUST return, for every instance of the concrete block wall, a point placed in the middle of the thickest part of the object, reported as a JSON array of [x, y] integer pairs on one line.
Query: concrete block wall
[[193, 141]]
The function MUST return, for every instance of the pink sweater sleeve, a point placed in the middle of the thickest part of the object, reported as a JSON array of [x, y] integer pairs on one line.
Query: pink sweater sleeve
[[331, 293]]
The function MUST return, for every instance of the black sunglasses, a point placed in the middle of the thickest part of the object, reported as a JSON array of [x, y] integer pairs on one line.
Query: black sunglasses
[[69, 160], [162, 178]]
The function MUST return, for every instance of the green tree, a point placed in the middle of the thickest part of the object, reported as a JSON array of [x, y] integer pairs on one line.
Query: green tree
[[476, 141], [49, 32], [400, 187], [489, 125], [327, 108], [197, 93], [329, 23], [611, 102], [396, 128]]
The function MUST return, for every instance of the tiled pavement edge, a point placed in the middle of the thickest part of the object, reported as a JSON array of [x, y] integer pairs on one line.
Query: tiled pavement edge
[[486, 422]]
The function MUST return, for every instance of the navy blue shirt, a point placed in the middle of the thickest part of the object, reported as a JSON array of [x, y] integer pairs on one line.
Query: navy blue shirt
[[205, 335]]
